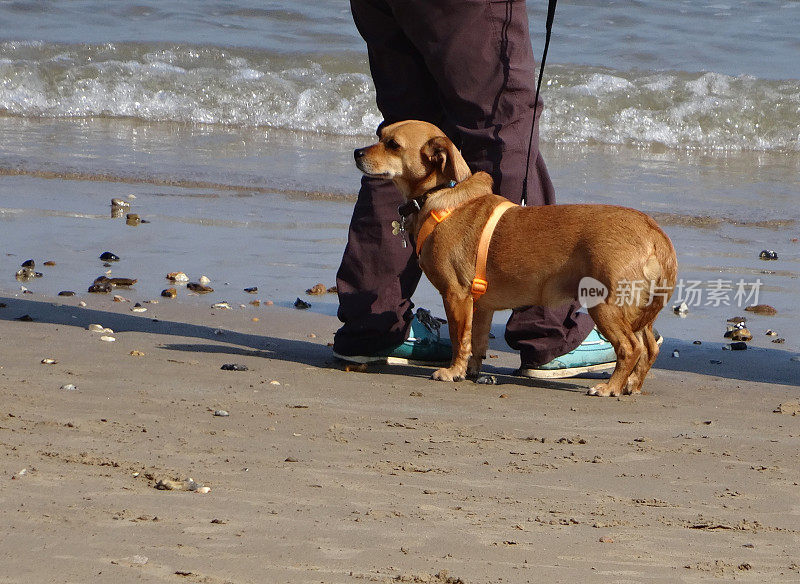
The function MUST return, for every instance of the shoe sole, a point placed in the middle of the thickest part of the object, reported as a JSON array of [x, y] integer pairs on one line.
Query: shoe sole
[[363, 360], [531, 373], [560, 373], [571, 371], [405, 361]]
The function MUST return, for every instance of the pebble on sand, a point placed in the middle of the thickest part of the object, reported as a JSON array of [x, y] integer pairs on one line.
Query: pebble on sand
[[120, 282], [317, 289], [107, 256], [177, 277], [234, 367], [199, 288], [169, 293], [101, 288], [301, 304], [741, 335], [171, 485], [681, 309], [99, 328], [762, 309], [25, 274]]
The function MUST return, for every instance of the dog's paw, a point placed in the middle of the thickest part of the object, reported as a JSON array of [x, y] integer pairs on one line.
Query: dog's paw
[[473, 368], [445, 374], [603, 390], [632, 387], [472, 373]]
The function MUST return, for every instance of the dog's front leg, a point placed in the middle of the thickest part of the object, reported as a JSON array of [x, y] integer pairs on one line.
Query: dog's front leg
[[458, 307], [481, 325]]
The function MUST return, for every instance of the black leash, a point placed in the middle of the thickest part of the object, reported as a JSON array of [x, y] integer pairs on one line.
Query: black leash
[[551, 13]]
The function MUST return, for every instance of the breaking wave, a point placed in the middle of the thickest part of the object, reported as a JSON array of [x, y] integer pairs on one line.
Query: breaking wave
[[334, 95]]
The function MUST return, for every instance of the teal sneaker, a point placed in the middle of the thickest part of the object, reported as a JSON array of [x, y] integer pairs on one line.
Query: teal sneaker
[[424, 346], [595, 353]]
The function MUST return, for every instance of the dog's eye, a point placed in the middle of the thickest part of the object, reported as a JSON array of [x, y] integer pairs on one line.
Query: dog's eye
[[392, 145]]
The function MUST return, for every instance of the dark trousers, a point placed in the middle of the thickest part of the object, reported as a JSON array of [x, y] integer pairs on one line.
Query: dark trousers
[[468, 67]]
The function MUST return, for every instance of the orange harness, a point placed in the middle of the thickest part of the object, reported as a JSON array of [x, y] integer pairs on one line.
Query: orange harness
[[479, 283]]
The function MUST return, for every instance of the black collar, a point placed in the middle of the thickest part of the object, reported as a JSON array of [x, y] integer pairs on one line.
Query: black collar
[[415, 205]]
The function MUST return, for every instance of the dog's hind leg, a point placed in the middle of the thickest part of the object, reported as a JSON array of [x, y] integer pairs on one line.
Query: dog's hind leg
[[458, 307], [646, 361], [612, 323], [481, 324]]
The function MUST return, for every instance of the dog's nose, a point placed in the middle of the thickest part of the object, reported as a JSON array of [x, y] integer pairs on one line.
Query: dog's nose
[[359, 153]]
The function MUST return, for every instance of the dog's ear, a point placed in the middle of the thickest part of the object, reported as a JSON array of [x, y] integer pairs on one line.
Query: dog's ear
[[442, 153]]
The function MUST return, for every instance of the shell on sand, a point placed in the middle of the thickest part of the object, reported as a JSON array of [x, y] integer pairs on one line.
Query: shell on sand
[[763, 309]]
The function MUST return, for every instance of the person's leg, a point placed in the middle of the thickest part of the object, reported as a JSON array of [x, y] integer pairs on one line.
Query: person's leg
[[378, 275], [480, 54]]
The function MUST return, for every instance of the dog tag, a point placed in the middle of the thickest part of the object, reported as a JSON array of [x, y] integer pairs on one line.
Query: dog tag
[[399, 228]]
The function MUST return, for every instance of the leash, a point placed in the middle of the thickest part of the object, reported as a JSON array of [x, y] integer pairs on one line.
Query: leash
[[551, 13]]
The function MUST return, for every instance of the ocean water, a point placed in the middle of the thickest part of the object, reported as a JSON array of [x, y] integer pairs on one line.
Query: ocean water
[[718, 77], [232, 125]]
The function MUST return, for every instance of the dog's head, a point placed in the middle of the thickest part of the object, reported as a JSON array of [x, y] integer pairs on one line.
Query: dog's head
[[416, 156]]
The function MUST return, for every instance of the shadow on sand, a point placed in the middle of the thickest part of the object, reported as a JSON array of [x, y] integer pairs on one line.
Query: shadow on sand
[[755, 364]]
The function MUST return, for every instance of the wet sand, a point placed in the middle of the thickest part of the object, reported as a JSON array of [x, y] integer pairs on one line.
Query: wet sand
[[321, 475], [270, 208], [283, 240]]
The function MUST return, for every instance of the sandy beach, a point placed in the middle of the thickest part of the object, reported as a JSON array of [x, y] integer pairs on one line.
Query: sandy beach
[[322, 475], [228, 129]]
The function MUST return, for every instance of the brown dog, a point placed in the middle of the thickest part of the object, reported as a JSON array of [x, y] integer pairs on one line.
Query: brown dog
[[537, 256]]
